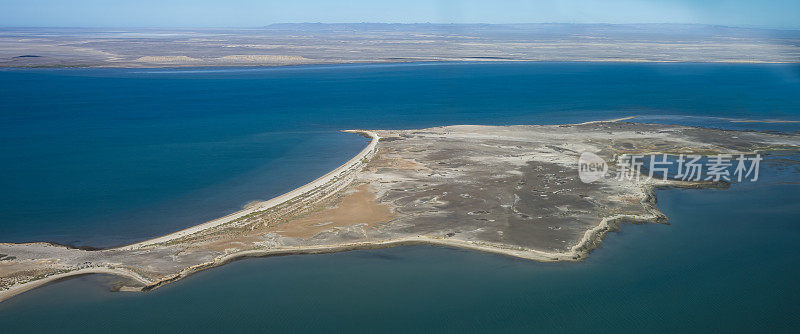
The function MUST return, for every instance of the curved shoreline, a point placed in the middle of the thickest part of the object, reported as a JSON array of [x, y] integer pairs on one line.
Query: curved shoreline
[[265, 205], [21, 288]]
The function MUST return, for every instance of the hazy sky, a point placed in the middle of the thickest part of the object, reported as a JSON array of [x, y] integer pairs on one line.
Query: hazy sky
[[253, 13]]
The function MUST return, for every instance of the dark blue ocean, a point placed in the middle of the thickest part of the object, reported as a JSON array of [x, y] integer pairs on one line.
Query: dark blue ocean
[[104, 157]]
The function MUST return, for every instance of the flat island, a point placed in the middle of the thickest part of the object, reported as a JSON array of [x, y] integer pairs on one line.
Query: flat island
[[512, 190]]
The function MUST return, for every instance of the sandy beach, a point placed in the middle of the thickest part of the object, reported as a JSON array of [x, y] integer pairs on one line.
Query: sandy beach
[[339, 172]]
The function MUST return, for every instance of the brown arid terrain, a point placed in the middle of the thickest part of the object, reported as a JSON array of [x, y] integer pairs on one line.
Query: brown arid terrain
[[296, 44], [512, 190]]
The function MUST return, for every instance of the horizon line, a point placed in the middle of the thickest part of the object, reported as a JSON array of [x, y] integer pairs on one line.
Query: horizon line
[[761, 27]]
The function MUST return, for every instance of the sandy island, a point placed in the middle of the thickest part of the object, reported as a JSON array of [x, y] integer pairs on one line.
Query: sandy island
[[511, 190]]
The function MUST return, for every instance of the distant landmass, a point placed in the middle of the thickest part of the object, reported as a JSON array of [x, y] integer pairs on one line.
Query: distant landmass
[[318, 43]]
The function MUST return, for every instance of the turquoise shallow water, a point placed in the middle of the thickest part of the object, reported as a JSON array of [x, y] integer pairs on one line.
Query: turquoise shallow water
[[104, 157]]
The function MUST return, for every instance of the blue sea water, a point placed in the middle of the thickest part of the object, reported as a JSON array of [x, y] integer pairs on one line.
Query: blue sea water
[[104, 157], [728, 263]]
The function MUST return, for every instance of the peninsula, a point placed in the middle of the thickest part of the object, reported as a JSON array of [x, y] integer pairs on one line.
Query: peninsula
[[512, 190]]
